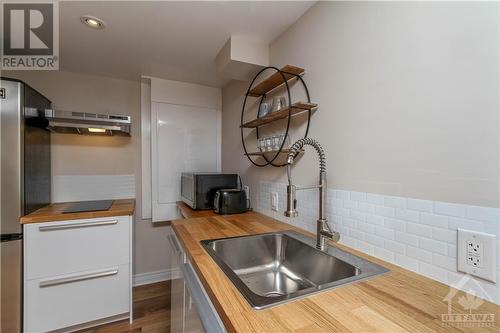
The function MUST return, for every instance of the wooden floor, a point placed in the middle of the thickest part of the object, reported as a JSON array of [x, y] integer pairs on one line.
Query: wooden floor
[[151, 312]]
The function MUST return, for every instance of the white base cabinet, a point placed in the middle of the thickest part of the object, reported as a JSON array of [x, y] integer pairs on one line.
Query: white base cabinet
[[191, 308], [77, 272]]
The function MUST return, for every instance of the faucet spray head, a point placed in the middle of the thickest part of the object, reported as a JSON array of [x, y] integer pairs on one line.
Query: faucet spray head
[[291, 202]]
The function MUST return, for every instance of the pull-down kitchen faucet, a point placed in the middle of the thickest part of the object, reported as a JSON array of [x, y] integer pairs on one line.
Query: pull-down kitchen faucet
[[323, 229]]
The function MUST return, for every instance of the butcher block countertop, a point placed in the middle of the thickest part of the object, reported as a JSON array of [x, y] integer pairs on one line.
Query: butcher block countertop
[[54, 212], [188, 212], [399, 301]]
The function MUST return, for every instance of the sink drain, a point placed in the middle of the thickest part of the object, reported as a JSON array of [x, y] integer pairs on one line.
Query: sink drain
[[274, 294]]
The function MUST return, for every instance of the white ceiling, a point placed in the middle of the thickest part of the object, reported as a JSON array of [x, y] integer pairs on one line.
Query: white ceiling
[[172, 40]]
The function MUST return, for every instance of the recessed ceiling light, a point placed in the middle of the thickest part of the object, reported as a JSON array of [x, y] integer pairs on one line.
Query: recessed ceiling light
[[92, 22]]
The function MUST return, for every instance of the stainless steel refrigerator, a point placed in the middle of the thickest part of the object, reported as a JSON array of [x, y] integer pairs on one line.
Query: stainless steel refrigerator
[[25, 181]]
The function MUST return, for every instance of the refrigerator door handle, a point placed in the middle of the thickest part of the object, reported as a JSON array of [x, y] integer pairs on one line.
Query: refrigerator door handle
[[11, 237], [76, 225]]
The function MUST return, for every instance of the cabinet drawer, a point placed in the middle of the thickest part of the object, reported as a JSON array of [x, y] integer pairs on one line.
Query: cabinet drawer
[[71, 299], [57, 248]]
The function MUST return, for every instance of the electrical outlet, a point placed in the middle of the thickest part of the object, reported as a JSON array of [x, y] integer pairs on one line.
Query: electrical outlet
[[247, 191], [477, 254], [274, 201]]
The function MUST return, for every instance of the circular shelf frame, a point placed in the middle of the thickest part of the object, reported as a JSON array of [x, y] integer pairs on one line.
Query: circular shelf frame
[[269, 160]]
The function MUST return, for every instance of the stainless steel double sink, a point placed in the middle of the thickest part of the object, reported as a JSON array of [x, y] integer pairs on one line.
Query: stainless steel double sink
[[270, 269]]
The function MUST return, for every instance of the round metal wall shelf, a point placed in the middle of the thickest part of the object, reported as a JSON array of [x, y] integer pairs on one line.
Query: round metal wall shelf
[[280, 77]]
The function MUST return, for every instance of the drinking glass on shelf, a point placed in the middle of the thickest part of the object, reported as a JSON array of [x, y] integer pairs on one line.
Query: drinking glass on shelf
[[276, 142], [261, 144], [286, 139], [269, 144]]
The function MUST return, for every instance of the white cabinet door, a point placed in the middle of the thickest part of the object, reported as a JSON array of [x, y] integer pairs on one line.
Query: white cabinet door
[[56, 248], [192, 322], [177, 306], [183, 138], [71, 299], [177, 295]]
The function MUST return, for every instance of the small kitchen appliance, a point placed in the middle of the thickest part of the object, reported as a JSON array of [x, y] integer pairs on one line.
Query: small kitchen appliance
[[198, 188], [230, 201]]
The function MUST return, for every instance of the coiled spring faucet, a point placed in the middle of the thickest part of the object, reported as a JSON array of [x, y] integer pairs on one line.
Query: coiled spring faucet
[[323, 229]]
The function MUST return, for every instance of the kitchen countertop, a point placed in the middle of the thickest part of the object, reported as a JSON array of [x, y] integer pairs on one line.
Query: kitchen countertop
[[399, 301], [54, 212], [188, 212]]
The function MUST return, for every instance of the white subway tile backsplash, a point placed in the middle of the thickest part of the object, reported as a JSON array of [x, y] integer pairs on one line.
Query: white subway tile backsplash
[[365, 227], [485, 214], [375, 198], [375, 220], [348, 222], [406, 262], [418, 229], [444, 261], [420, 205], [385, 211], [407, 215], [350, 204], [434, 220], [375, 240], [406, 238], [384, 254], [452, 251], [456, 223], [444, 235], [358, 196], [449, 209], [366, 207], [365, 247], [433, 272], [341, 194], [396, 202], [395, 247], [419, 235], [433, 246], [343, 212], [419, 254], [394, 224], [384, 232], [360, 216], [357, 234]]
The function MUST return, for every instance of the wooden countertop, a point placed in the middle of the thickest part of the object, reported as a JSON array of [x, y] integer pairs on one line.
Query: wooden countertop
[[188, 212], [54, 212], [399, 301]]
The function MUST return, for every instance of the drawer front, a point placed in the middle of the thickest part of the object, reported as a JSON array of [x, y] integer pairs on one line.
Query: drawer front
[[71, 299], [57, 248]]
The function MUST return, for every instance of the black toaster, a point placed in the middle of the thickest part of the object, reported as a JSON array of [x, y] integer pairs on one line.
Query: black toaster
[[230, 201]]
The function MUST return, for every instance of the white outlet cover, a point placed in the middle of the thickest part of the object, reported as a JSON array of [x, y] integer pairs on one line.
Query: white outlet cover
[[477, 254]]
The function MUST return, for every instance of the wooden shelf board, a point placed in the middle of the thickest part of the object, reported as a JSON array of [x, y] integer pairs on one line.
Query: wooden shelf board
[[275, 80], [297, 108], [262, 153]]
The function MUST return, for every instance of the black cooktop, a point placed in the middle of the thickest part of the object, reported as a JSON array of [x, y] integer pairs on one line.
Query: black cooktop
[[88, 206]]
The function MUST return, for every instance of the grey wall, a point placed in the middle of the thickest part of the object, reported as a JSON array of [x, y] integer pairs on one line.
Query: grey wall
[[408, 95], [75, 155]]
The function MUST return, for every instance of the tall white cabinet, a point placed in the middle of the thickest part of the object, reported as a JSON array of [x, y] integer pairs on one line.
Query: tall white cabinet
[[184, 135], [184, 138]]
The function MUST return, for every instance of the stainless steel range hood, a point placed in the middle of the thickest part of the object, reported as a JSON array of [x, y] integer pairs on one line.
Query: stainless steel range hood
[[86, 123]]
